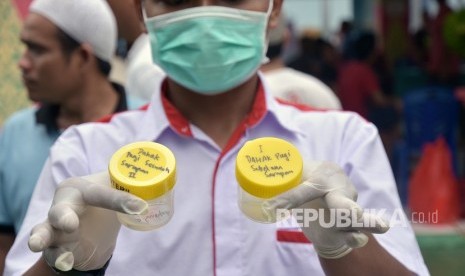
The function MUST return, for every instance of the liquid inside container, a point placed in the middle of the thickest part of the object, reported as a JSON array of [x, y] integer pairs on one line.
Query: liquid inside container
[[147, 170], [265, 168], [252, 207], [160, 211]]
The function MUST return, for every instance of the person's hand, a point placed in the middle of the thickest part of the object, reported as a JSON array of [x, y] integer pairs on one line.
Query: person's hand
[[81, 229], [326, 191]]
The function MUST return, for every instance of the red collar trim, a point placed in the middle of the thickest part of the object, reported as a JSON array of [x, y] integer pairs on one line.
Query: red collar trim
[[301, 107], [109, 117], [257, 113], [182, 126], [176, 119]]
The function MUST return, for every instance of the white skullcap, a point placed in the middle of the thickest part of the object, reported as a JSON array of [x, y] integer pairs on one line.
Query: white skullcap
[[86, 21]]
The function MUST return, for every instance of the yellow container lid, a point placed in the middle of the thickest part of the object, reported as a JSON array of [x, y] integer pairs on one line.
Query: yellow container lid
[[144, 169], [266, 167]]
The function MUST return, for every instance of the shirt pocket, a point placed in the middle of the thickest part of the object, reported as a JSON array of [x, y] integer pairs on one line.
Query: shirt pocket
[[294, 248]]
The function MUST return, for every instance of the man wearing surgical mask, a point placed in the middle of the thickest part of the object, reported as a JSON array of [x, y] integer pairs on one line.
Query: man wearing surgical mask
[[212, 102]]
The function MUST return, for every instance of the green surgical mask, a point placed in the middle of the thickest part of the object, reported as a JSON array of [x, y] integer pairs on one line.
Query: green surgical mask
[[209, 49]]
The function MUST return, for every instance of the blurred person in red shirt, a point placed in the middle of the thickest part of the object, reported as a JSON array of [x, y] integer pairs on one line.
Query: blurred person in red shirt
[[359, 89], [358, 85]]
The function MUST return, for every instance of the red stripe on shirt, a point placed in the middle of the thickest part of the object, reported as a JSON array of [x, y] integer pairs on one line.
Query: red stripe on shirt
[[107, 118], [291, 236], [256, 114]]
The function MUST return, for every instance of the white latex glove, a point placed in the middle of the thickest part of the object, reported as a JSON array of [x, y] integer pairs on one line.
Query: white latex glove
[[81, 229], [325, 186]]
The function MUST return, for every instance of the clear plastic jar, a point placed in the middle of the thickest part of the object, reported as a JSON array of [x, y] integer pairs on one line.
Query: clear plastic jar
[[147, 170], [265, 168]]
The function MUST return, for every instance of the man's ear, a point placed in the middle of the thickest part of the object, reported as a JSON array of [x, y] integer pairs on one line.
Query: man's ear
[[275, 14], [85, 56], [138, 7]]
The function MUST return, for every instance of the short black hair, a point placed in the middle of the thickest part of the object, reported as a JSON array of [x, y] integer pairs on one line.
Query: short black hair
[[364, 44], [69, 44], [274, 50], [346, 26]]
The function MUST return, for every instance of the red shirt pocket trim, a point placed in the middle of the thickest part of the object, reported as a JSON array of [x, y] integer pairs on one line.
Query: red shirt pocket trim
[[291, 236]]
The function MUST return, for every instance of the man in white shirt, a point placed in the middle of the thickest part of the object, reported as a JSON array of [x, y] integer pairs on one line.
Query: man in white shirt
[[204, 116], [289, 84]]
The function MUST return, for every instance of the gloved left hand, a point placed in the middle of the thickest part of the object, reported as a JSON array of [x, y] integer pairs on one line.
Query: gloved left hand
[[324, 192], [81, 229]]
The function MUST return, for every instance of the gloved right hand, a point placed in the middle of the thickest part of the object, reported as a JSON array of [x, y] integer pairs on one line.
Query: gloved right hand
[[326, 188], [81, 229]]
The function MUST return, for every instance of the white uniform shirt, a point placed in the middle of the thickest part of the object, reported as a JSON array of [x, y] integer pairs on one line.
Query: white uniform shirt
[[208, 234]]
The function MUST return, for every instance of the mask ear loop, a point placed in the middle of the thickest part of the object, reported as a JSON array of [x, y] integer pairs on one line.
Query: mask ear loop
[[144, 14], [265, 59], [270, 8]]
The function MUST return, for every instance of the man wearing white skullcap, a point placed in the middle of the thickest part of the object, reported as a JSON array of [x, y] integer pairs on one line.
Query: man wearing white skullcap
[[65, 67], [86, 21]]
